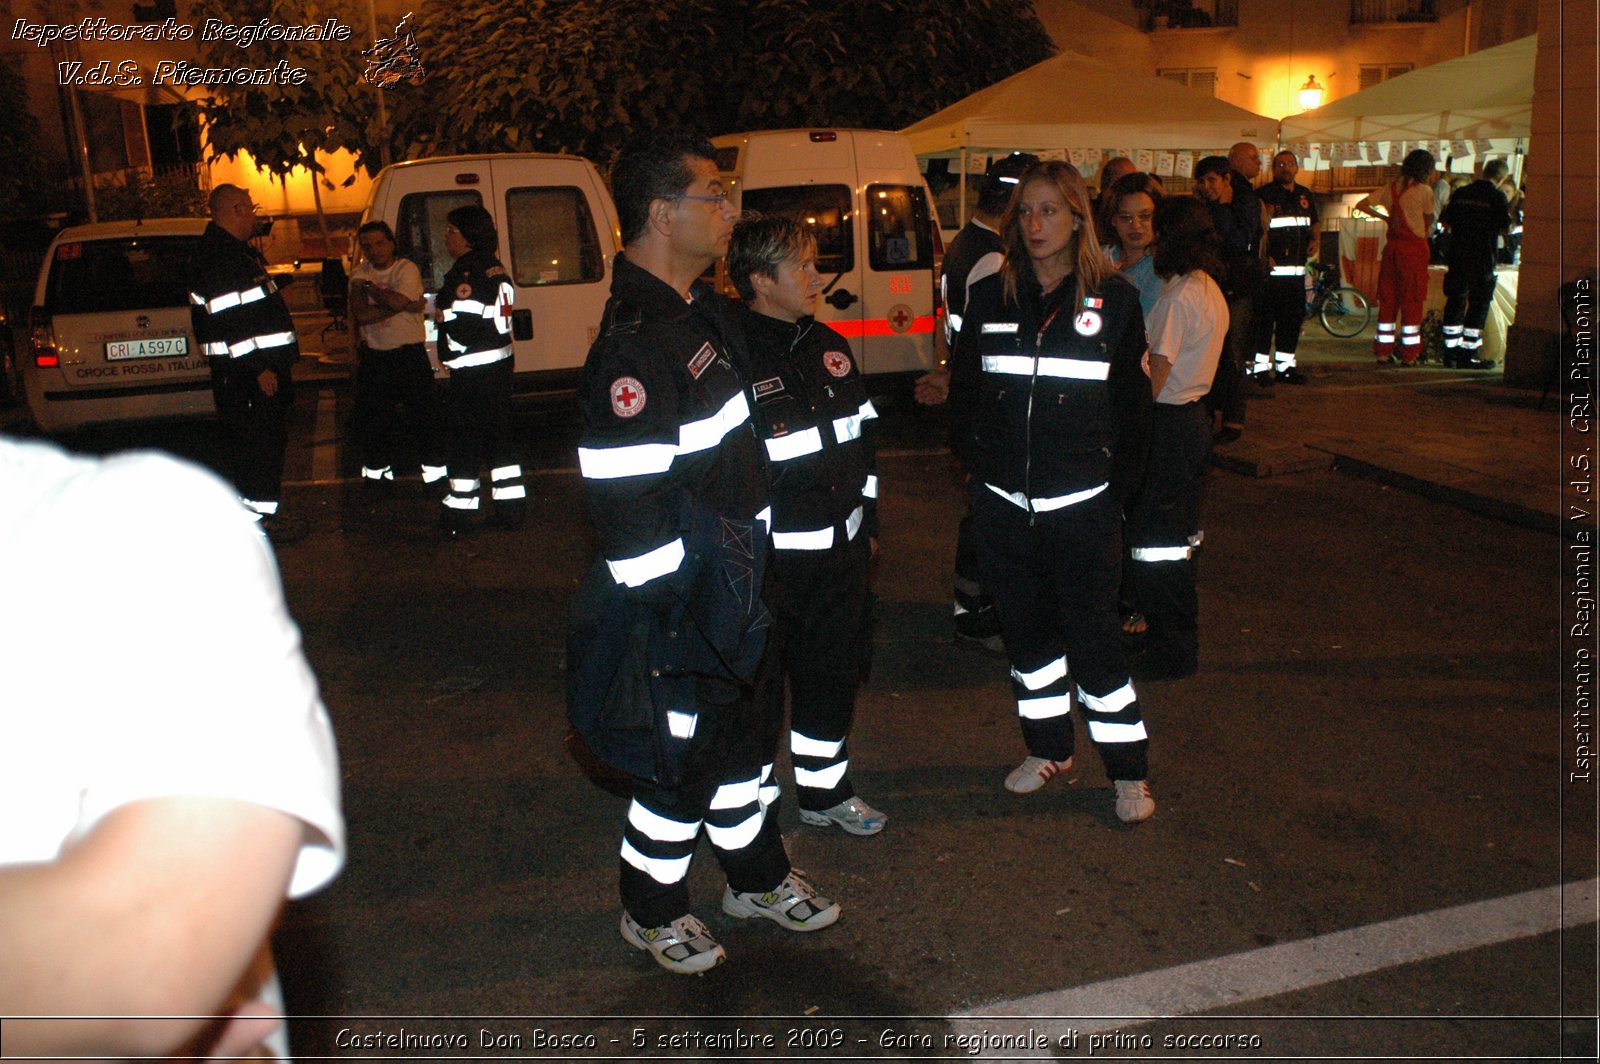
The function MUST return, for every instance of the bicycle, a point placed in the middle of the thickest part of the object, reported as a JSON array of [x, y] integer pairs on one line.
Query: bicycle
[[1342, 310]]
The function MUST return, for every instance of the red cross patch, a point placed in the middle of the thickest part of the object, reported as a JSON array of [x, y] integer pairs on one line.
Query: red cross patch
[[627, 397], [463, 290], [1087, 323], [837, 363]]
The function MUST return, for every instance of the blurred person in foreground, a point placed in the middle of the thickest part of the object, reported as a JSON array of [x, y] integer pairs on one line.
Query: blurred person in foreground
[[157, 807], [816, 423], [1051, 412]]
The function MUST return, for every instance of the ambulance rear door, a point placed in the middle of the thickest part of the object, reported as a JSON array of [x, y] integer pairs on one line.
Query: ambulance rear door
[[895, 254]]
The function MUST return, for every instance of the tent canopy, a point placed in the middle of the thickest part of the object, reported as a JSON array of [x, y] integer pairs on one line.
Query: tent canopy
[[1478, 96], [1072, 100]]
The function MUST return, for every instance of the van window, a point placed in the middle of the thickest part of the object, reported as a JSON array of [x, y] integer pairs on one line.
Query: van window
[[825, 208], [553, 239], [95, 276], [420, 234], [899, 236]]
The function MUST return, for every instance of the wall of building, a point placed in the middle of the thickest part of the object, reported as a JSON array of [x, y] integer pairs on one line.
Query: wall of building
[[1559, 239]]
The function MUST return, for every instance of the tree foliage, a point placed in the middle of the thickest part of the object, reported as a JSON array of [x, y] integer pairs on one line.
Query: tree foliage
[[21, 180]]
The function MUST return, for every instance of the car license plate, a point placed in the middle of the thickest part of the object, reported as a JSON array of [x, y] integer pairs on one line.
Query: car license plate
[[148, 347]]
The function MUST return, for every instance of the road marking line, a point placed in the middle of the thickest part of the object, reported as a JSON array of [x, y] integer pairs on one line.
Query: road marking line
[[1223, 981], [324, 456]]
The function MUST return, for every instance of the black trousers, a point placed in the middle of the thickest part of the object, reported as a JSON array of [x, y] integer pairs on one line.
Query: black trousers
[[1163, 524], [1279, 312], [1227, 389], [478, 413], [974, 607], [257, 429], [396, 399], [720, 795], [1468, 295], [821, 640], [1054, 577]]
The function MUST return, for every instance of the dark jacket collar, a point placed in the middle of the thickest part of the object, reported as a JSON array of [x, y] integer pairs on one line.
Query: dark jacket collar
[[650, 293]]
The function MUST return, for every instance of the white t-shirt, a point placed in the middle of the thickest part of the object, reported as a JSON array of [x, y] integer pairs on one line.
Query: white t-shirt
[[1188, 326], [400, 329]]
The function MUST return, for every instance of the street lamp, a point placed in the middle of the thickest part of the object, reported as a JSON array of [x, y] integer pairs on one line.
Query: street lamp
[[1310, 94]]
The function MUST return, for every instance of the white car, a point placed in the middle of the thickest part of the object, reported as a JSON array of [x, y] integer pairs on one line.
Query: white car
[[110, 338]]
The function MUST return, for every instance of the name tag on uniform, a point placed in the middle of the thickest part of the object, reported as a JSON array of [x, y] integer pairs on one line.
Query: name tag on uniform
[[702, 359], [999, 327], [768, 387]]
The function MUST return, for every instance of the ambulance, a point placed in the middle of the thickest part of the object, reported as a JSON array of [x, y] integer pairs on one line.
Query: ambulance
[[878, 239], [559, 237]]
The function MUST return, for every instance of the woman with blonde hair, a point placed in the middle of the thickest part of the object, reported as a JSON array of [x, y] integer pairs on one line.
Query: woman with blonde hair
[[1053, 417]]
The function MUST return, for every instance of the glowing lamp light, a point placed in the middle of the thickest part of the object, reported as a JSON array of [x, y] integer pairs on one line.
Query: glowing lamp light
[[1310, 94]]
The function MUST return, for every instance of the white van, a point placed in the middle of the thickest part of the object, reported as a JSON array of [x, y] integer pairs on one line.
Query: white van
[[558, 237], [877, 233], [109, 335]]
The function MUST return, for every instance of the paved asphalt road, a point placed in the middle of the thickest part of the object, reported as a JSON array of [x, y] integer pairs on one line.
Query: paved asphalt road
[[1370, 747]]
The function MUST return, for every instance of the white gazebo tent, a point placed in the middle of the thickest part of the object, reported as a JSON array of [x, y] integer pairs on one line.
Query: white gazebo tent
[[1074, 101]]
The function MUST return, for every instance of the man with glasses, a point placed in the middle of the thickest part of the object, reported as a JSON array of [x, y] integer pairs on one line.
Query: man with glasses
[[1292, 233], [668, 628], [243, 325]]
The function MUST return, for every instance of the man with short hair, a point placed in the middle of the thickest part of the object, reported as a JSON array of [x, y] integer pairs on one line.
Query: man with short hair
[[1291, 239], [1476, 217], [668, 627], [394, 372], [1236, 215], [243, 325]]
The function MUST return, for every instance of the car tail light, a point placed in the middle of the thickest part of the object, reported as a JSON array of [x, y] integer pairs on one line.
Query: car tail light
[[44, 339]]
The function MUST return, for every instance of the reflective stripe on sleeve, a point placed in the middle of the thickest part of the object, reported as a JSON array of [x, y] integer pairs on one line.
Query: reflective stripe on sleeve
[[869, 490], [795, 445], [852, 524], [635, 460], [250, 346], [1161, 554], [646, 567], [706, 433], [229, 300]]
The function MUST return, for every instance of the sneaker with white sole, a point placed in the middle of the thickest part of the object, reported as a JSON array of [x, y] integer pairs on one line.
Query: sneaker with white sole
[[852, 814], [793, 904], [683, 946], [1133, 801], [1035, 772]]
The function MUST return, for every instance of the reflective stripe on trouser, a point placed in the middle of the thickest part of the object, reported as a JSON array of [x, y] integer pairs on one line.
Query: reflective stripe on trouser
[[1277, 316], [1452, 336], [256, 427], [720, 794], [478, 405], [821, 638], [397, 411], [1162, 530], [1402, 290], [1055, 583], [1468, 296]]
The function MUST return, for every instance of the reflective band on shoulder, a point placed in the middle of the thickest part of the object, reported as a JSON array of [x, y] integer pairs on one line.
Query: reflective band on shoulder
[[819, 539], [999, 327], [505, 472], [852, 524], [1115, 702], [805, 746], [1074, 369], [870, 489], [741, 834], [658, 828], [646, 567], [681, 724], [1044, 708], [1290, 222], [1061, 501], [609, 463], [822, 779], [795, 445], [734, 795], [1021, 365], [708, 432], [1161, 554], [1105, 731], [1039, 679], [664, 870], [477, 358], [1288, 271]]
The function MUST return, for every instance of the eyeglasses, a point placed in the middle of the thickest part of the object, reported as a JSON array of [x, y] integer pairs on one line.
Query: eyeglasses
[[719, 198], [1128, 219]]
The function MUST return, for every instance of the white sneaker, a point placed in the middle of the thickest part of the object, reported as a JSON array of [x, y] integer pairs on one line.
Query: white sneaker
[[852, 814], [1033, 773], [683, 946], [1133, 801], [793, 904]]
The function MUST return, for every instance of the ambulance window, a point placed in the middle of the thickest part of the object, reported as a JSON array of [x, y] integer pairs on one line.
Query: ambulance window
[[899, 236], [420, 234], [98, 276], [825, 208], [552, 238]]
